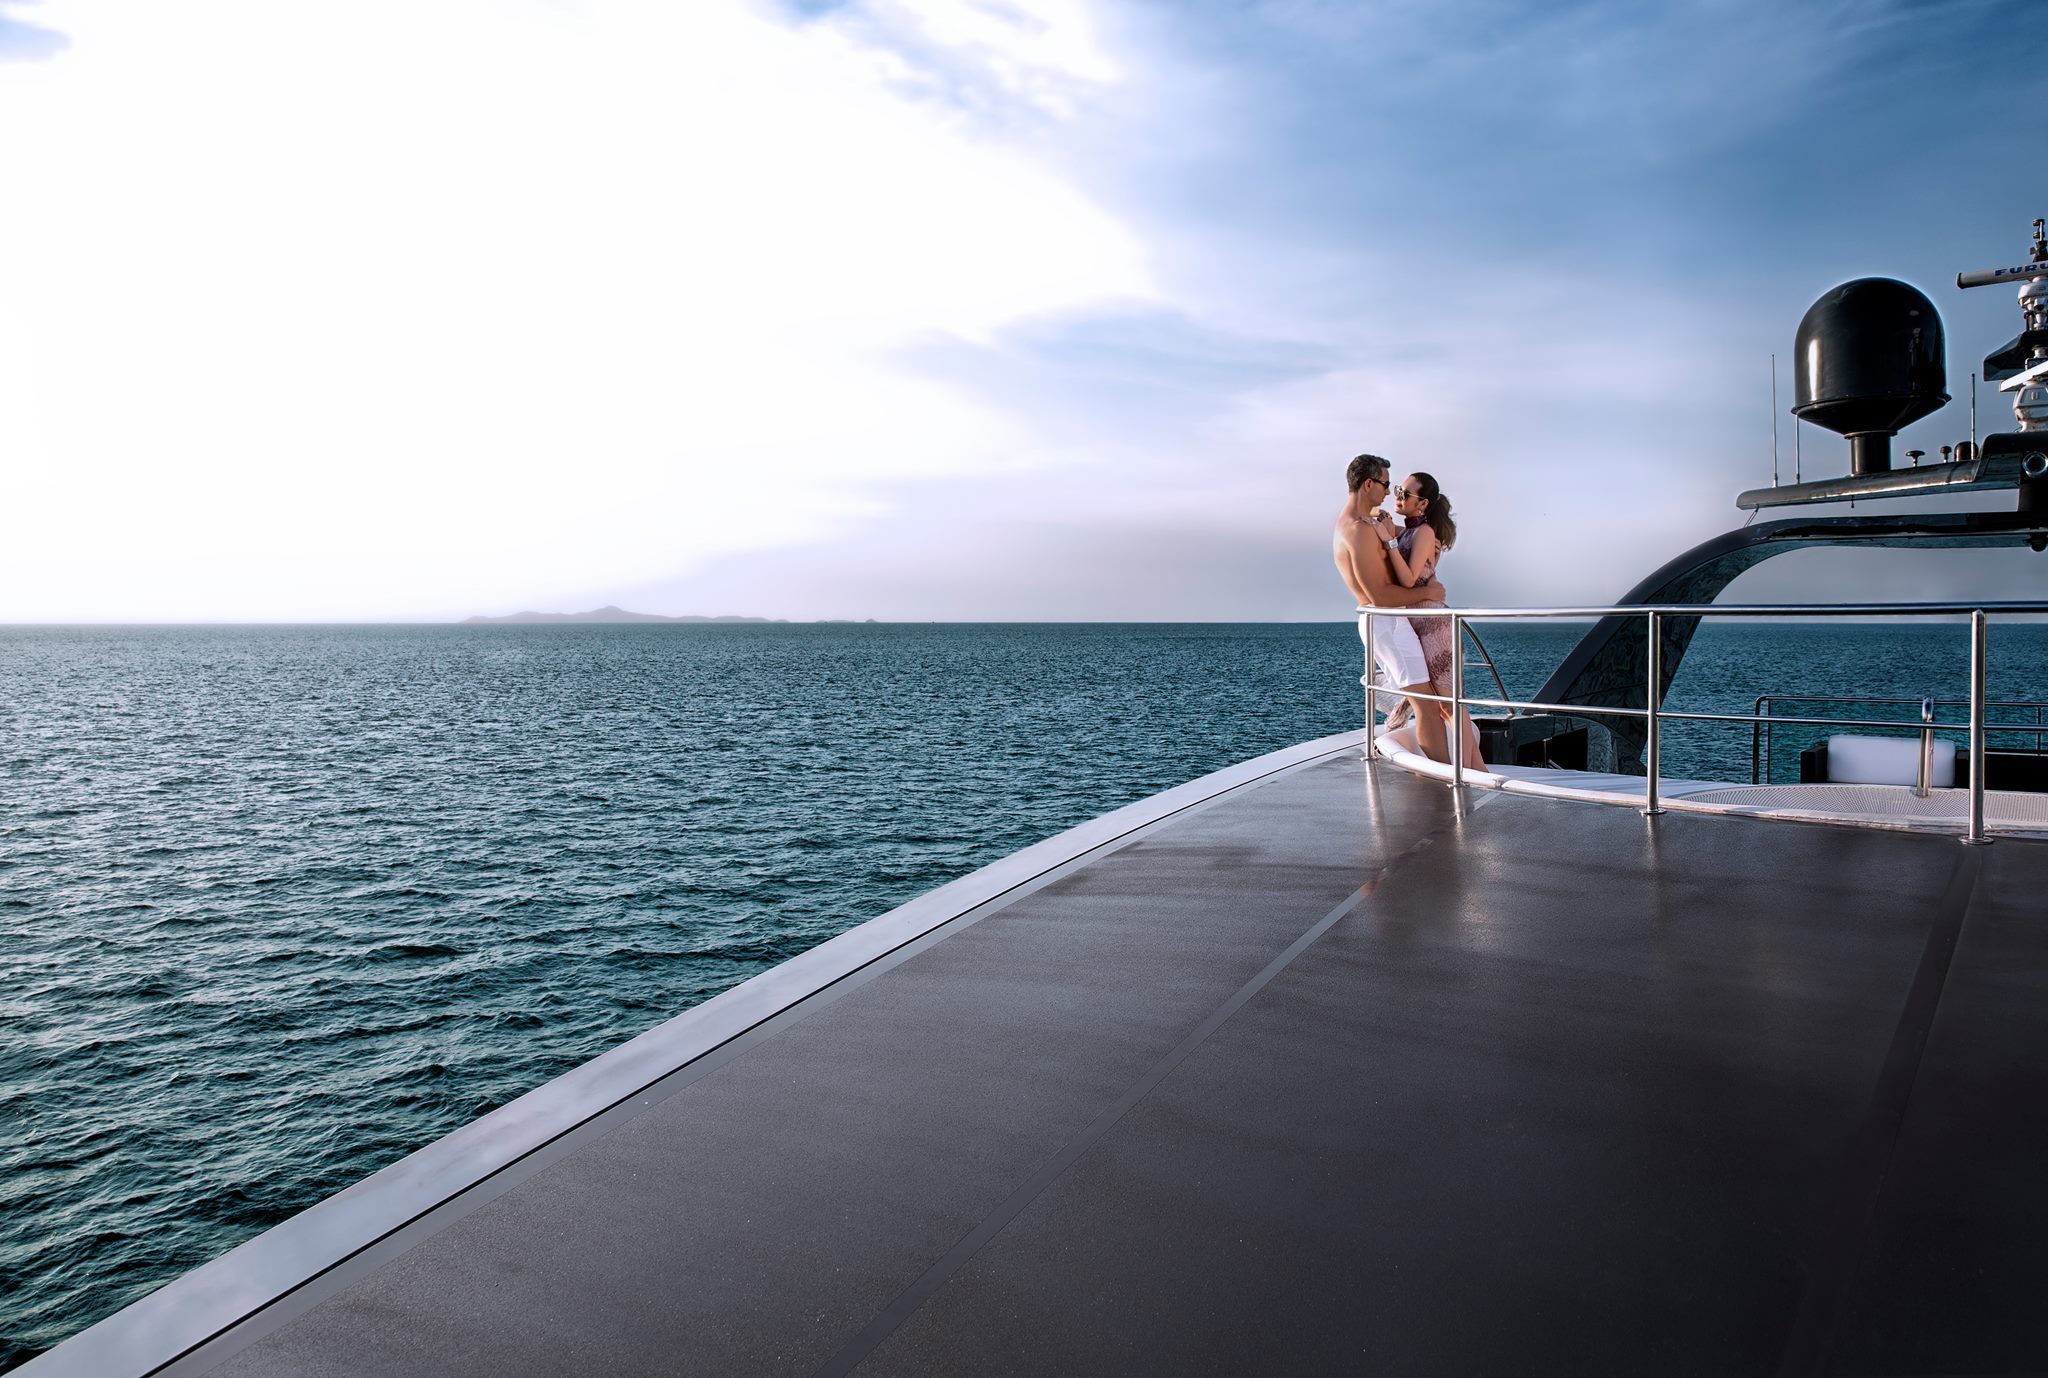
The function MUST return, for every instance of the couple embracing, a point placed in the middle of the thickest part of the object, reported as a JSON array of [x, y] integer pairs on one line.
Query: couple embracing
[[1386, 565]]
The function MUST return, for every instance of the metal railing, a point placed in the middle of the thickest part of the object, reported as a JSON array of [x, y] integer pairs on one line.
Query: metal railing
[[1655, 715], [1760, 732], [1494, 670]]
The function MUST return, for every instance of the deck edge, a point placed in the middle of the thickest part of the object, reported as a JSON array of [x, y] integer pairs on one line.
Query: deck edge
[[186, 1313]]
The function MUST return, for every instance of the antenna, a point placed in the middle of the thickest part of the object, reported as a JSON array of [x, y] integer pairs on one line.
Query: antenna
[[1973, 406], [2036, 265], [1774, 421], [1797, 426]]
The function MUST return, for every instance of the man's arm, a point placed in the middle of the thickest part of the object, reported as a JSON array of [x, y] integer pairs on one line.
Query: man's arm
[[1394, 596], [1371, 568]]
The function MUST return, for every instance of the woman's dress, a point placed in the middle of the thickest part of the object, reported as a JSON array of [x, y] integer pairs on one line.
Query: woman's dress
[[1439, 643]]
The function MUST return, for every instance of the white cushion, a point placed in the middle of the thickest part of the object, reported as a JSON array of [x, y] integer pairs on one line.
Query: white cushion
[[1888, 761]]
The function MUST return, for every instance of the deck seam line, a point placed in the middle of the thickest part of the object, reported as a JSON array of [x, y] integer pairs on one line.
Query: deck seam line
[[886, 1322], [1810, 1340]]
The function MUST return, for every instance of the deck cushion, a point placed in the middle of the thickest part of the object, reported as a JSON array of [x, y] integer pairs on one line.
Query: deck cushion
[[1888, 761]]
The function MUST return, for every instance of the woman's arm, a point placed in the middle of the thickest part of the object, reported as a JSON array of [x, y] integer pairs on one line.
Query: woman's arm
[[1425, 553], [1424, 556], [1403, 575]]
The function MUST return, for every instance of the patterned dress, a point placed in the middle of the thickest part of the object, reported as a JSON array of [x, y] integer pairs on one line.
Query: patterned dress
[[1438, 646]]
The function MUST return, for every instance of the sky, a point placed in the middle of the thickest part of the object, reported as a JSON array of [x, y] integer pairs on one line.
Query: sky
[[955, 310]]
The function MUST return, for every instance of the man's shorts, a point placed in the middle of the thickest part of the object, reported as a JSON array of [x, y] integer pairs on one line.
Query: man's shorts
[[1396, 651]]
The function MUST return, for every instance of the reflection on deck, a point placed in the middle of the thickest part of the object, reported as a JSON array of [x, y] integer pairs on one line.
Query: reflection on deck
[[1326, 1074]]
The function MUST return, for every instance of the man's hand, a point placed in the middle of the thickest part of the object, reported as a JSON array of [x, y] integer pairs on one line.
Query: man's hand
[[1434, 592]]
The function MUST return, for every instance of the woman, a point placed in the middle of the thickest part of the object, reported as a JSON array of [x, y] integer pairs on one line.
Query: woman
[[1413, 556]]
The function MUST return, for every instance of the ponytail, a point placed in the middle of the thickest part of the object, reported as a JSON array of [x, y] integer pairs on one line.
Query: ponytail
[[1436, 514]]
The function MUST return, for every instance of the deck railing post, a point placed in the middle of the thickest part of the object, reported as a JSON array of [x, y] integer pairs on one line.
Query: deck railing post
[[1457, 701], [1925, 776], [1372, 685], [1979, 637], [1652, 748]]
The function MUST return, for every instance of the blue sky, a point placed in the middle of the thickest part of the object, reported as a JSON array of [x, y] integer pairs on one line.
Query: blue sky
[[1058, 309]]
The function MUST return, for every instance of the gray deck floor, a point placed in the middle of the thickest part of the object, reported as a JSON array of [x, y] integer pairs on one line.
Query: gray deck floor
[[1318, 1078]]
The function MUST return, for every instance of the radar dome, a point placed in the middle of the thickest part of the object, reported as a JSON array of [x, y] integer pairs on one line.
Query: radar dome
[[1869, 360]]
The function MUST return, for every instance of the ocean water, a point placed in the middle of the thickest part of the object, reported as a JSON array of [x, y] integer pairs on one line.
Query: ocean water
[[280, 904]]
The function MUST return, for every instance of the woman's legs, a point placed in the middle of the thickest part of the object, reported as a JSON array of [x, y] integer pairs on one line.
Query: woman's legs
[[1429, 727], [1473, 758], [1439, 648]]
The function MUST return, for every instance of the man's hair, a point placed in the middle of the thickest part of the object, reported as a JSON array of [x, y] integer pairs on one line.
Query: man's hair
[[1362, 468]]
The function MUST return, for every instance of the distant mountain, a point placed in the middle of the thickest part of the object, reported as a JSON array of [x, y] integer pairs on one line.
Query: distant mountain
[[606, 614]]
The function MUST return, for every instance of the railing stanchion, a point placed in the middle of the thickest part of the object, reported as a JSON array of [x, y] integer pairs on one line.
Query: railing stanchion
[[1924, 778], [1652, 747], [1372, 688], [1457, 701], [1978, 637]]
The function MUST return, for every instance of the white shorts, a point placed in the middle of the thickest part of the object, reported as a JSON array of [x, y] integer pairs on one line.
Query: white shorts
[[1396, 652]]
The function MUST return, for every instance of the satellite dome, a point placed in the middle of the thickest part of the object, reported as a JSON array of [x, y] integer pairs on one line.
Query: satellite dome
[[1868, 360]]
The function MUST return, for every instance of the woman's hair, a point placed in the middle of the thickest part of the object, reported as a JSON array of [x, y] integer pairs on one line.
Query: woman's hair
[[1436, 511]]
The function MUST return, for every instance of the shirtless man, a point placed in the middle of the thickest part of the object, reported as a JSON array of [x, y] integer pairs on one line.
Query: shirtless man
[[1360, 545]]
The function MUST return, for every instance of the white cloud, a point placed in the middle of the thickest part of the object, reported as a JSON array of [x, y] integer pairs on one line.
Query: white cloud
[[388, 310]]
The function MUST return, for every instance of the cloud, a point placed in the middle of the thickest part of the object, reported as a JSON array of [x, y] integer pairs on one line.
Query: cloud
[[1545, 251], [1082, 375], [1208, 477], [1005, 64], [1025, 551], [541, 299], [21, 41]]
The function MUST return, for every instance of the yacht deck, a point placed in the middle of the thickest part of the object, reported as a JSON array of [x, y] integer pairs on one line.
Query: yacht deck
[[1309, 1074]]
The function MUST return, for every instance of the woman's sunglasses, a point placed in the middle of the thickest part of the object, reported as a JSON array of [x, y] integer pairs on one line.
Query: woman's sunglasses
[[1402, 494]]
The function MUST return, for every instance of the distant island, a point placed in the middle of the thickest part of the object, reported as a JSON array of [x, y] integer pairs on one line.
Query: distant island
[[606, 614]]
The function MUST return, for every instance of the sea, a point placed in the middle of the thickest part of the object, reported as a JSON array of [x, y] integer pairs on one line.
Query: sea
[[279, 905]]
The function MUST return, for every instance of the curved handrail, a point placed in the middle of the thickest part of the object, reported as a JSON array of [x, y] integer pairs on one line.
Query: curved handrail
[[1472, 635], [1653, 713], [1492, 669]]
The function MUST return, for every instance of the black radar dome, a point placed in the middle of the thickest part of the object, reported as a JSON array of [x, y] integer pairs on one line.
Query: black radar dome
[[1869, 360]]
